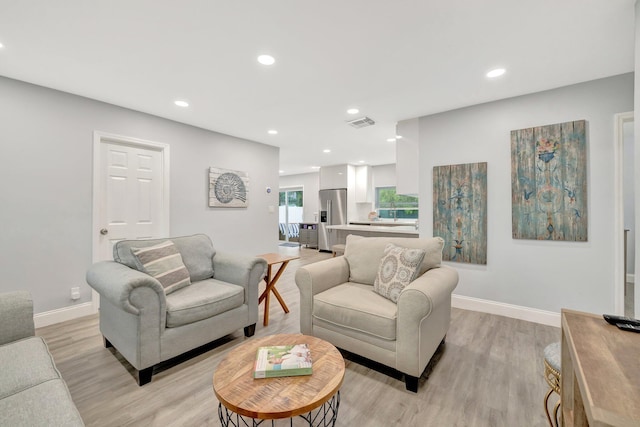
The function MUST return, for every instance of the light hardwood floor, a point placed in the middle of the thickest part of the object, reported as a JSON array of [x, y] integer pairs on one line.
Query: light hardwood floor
[[489, 373]]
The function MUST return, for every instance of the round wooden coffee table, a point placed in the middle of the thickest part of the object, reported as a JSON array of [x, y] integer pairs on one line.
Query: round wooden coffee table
[[248, 401]]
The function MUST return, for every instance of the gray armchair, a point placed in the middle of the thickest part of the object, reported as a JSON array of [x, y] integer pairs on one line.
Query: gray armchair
[[148, 324], [339, 305]]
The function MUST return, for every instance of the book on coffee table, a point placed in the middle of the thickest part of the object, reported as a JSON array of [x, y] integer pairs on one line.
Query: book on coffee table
[[282, 361]]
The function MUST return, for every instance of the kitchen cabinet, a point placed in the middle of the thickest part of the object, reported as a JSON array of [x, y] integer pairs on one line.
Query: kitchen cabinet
[[364, 190], [334, 177], [308, 235]]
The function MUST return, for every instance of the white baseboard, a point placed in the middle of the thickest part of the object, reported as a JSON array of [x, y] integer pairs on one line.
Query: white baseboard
[[508, 310], [63, 314], [631, 278]]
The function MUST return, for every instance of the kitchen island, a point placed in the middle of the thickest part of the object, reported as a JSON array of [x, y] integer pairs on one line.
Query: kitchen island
[[340, 232]]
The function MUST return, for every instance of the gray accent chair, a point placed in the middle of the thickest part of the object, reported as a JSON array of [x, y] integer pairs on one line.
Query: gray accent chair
[[32, 391], [148, 327], [338, 304]]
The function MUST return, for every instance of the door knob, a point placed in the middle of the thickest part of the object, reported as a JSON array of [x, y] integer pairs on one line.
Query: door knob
[[104, 231]]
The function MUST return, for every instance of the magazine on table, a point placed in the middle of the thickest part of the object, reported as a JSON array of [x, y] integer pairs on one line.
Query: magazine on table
[[282, 361]]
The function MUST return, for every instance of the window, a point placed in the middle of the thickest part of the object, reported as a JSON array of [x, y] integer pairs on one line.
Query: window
[[294, 198], [392, 205]]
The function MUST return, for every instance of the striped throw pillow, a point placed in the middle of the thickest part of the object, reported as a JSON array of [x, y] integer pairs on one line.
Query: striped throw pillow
[[164, 262]]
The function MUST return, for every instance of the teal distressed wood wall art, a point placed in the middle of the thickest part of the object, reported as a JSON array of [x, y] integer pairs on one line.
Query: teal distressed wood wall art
[[549, 182], [460, 211]]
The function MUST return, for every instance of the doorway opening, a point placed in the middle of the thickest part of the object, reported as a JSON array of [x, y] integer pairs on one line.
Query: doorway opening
[[290, 213], [625, 234]]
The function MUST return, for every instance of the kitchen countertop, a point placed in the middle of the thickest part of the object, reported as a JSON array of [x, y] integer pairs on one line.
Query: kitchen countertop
[[385, 223], [404, 229]]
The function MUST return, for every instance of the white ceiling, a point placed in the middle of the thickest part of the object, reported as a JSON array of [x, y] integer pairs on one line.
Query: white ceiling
[[393, 60]]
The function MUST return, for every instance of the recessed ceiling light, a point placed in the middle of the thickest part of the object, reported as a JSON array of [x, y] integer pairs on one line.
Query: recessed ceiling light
[[266, 59], [1, 45], [272, 132], [353, 111], [280, 171], [496, 73], [315, 167], [391, 140], [360, 161], [398, 136], [181, 103], [326, 151]]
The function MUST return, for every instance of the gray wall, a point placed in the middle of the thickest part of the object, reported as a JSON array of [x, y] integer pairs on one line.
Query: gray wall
[[537, 274], [46, 137]]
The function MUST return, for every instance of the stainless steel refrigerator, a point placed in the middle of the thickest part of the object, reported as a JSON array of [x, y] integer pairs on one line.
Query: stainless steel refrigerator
[[333, 211]]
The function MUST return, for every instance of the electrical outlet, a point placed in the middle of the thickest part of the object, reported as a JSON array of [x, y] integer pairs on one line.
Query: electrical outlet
[[75, 293]]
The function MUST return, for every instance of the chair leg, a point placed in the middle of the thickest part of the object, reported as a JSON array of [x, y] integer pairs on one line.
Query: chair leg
[[546, 406], [107, 343], [555, 414], [144, 375], [411, 383], [249, 330]]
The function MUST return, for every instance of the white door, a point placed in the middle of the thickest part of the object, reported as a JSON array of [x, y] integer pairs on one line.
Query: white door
[[131, 192]]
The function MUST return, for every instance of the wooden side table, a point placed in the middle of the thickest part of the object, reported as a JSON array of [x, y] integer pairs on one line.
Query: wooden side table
[[273, 259], [600, 375], [247, 401]]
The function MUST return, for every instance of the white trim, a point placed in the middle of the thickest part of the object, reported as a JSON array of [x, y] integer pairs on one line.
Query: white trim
[[631, 278], [618, 220], [63, 314], [104, 137], [544, 317]]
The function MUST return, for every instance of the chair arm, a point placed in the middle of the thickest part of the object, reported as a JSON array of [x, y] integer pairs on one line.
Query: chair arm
[[424, 312], [16, 316], [320, 276], [238, 269], [242, 270], [429, 290], [115, 282], [315, 278]]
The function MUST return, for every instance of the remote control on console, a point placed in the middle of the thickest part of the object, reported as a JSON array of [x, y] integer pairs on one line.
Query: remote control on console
[[628, 327], [614, 320]]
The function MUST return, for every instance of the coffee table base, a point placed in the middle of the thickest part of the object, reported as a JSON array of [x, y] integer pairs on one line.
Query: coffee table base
[[324, 416]]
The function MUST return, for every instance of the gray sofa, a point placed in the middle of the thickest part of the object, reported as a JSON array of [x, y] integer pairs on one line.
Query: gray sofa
[[339, 305], [32, 392], [148, 326]]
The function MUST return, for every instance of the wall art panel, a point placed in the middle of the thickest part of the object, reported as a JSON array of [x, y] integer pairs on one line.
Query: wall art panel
[[460, 211], [228, 188], [549, 182]]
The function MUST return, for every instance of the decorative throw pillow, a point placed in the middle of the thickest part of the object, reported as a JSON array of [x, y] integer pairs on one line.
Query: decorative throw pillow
[[398, 267], [164, 262]]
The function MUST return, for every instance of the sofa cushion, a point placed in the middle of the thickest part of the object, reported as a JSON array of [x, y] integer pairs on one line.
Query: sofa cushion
[[201, 300], [43, 405], [354, 306], [364, 254], [398, 267], [197, 254], [164, 262], [25, 363]]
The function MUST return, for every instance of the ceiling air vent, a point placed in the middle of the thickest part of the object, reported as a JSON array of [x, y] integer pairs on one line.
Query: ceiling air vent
[[361, 122]]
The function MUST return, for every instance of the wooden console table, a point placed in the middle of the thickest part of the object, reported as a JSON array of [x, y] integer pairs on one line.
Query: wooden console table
[[600, 372]]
